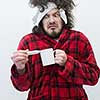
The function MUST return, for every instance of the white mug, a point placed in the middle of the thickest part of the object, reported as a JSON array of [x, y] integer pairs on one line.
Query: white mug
[[47, 56]]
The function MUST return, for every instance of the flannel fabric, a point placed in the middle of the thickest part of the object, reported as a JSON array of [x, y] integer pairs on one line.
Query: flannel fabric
[[54, 82]]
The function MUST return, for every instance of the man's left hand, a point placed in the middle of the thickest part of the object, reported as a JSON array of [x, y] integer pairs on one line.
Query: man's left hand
[[60, 57]]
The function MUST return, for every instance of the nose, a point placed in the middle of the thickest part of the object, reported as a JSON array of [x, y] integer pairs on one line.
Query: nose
[[51, 19]]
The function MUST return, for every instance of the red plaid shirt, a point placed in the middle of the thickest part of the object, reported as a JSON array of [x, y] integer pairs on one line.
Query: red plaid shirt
[[54, 82]]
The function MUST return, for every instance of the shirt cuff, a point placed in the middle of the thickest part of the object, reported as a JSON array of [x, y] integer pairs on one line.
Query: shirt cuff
[[69, 66], [15, 72]]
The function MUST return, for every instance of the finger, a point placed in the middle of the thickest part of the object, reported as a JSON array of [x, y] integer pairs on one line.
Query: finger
[[58, 51], [60, 56], [19, 58], [59, 59], [21, 62], [59, 62]]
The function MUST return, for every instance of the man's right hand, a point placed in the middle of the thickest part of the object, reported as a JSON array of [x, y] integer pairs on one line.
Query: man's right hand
[[20, 58]]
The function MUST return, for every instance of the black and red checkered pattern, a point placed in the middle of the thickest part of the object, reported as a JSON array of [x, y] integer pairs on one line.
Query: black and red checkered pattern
[[54, 82]]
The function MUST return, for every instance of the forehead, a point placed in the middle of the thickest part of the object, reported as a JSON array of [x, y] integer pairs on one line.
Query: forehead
[[53, 11]]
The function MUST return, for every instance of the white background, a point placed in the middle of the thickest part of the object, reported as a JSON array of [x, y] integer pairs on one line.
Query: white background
[[16, 21]]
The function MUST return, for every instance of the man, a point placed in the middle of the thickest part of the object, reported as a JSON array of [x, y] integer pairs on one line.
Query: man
[[74, 66]]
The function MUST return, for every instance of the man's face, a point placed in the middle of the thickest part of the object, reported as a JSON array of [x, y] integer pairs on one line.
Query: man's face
[[52, 23]]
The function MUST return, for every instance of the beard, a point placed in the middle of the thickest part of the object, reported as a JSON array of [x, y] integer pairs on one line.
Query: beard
[[54, 34]]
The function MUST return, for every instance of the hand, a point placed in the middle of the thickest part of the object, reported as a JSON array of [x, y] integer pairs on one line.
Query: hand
[[20, 58], [60, 57]]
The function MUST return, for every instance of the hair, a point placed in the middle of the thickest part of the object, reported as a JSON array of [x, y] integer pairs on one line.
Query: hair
[[67, 5]]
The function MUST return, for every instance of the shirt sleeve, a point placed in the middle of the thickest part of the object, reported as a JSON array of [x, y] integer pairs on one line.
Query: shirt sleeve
[[22, 82], [84, 70]]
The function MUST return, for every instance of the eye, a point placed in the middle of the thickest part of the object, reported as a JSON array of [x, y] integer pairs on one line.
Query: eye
[[46, 16], [57, 14]]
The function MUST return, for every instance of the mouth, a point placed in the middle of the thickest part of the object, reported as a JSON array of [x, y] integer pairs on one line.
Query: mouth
[[52, 27]]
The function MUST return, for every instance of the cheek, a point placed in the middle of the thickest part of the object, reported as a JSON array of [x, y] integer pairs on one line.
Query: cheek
[[45, 25], [60, 26], [59, 22]]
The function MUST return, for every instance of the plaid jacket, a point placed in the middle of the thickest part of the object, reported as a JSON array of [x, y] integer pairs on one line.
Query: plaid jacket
[[54, 82]]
